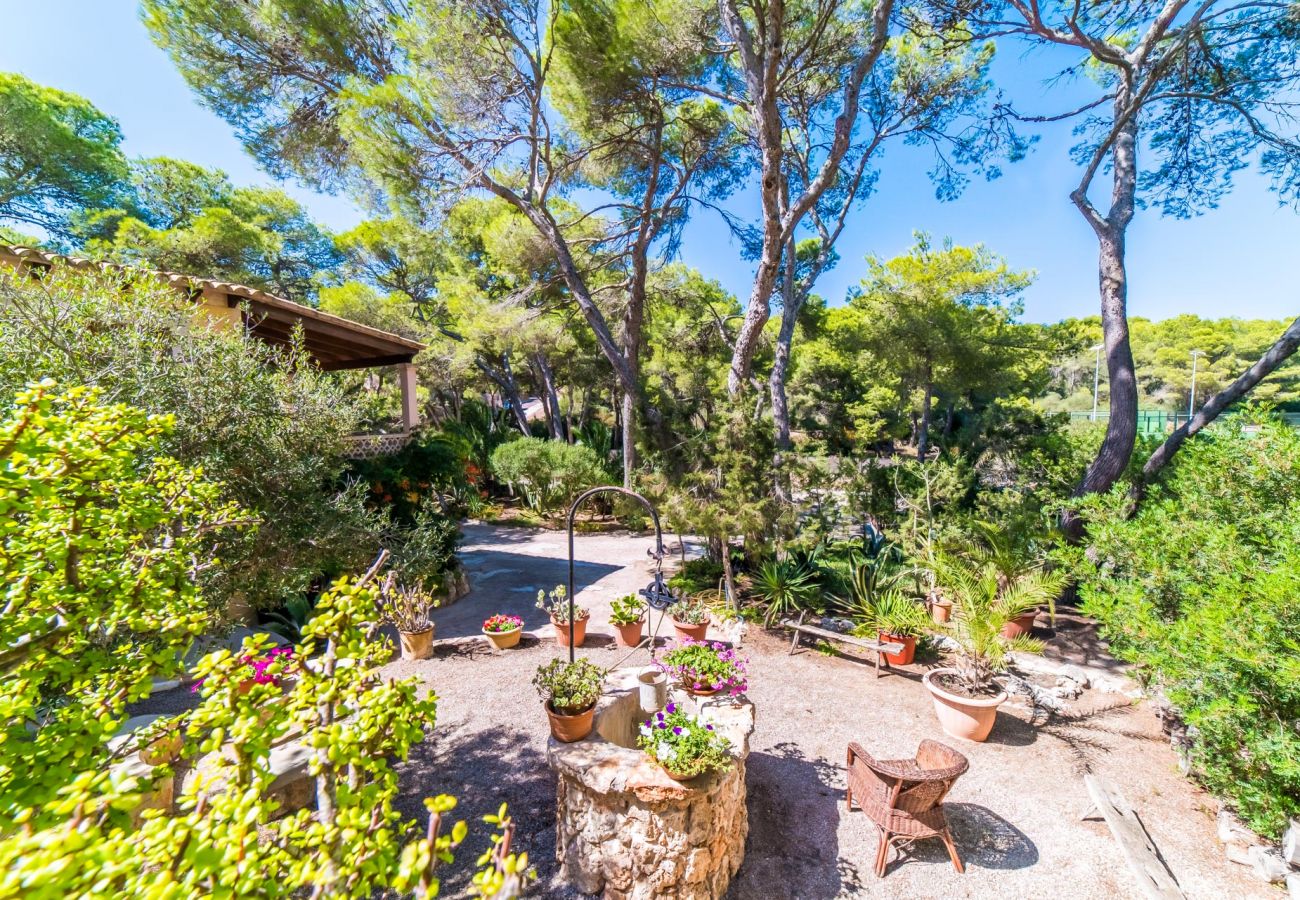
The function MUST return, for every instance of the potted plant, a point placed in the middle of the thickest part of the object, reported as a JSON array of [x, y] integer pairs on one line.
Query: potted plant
[[967, 695], [503, 631], [556, 605], [897, 619], [682, 745], [407, 608], [570, 691], [691, 619], [705, 669], [627, 615], [940, 608]]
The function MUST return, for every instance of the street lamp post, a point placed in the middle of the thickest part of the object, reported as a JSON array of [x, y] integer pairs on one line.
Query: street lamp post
[[1096, 380], [1191, 398]]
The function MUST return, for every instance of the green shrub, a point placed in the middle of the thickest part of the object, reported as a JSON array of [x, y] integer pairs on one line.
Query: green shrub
[[701, 574], [432, 469], [550, 474], [265, 422], [785, 586], [1199, 589], [101, 537]]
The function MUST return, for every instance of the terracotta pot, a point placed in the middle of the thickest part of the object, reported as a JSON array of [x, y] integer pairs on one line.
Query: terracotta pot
[[562, 632], [675, 776], [941, 610], [686, 686], [687, 632], [903, 657], [504, 640], [568, 729], [416, 644], [628, 635], [1020, 625], [970, 718]]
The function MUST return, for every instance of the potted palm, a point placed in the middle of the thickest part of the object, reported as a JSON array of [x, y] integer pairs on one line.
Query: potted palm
[[407, 608], [967, 695], [569, 691], [691, 620], [556, 605], [627, 615], [897, 619], [503, 630]]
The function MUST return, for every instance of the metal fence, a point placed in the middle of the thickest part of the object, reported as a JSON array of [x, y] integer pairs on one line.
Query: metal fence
[[1157, 421]]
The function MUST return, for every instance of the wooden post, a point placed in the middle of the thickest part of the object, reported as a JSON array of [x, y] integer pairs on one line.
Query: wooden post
[[410, 400]]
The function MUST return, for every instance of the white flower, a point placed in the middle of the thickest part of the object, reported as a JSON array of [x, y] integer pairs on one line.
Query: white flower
[[645, 731]]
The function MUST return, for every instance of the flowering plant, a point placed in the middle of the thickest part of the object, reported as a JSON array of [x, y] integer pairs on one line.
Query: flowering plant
[[267, 668], [704, 666], [683, 745], [557, 607], [501, 622]]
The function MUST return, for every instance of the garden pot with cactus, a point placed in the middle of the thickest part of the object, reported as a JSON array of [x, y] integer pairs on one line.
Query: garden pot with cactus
[[691, 620], [627, 616], [569, 691], [967, 694], [407, 608], [556, 605]]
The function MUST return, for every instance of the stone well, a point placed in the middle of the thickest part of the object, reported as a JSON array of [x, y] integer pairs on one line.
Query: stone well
[[625, 829]]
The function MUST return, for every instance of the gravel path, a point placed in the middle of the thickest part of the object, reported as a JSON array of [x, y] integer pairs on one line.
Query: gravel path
[[1015, 815]]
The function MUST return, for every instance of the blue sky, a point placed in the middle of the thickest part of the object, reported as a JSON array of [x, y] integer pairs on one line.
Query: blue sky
[[1242, 259]]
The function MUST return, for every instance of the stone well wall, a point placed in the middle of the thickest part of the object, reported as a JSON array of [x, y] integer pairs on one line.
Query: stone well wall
[[626, 830]]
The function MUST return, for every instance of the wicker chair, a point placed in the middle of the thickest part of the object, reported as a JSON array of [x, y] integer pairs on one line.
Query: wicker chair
[[904, 797]]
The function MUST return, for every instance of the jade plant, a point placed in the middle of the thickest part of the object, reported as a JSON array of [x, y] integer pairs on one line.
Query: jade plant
[[570, 687], [628, 610]]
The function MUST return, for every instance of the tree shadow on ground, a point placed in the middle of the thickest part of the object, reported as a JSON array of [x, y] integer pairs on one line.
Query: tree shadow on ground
[[489, 768], [793, 846], [983, 838], [508, 583]]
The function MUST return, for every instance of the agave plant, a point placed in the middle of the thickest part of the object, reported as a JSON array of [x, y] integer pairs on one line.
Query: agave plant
[[984, 599], [785, 586]]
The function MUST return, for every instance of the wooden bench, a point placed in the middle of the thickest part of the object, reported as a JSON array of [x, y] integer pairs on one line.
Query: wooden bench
[[880, 648]]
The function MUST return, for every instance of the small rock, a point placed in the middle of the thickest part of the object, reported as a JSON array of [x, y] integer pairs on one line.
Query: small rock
[[1238, 853], [1067, 689], [1076, 674], [1268, 864], [1291, 843], [1231, 831], [1293, 885]]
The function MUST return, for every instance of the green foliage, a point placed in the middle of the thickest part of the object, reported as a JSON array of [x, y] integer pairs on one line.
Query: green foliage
[[894, 613], [58, 155], [704, 666], [570, 687], [550, 474], [1199, 589], [94, 519], [627, 610], [692, 610], [266, 422], [430, 470], [695, 575], [785, 586]]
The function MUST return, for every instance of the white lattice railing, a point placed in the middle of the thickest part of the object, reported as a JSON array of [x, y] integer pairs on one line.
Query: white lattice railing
[[368, 446]]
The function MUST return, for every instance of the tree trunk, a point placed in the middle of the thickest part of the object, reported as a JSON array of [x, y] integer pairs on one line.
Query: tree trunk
[[550, 398], [923, 430], [504, 378], [792, 301], [1282, 350], [1121, 428]]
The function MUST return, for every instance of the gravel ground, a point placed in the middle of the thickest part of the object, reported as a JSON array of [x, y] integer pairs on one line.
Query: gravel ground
[[1015, 815]]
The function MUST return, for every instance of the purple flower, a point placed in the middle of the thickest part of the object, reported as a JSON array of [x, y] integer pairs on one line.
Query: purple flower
[[677, 729], [710, 727], [671, 707], [661, 725]]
